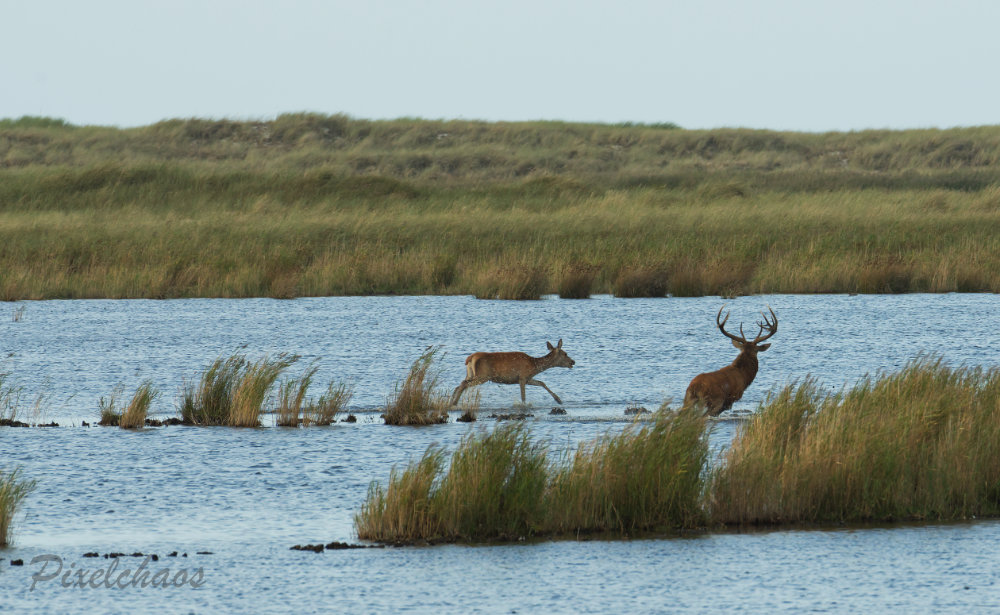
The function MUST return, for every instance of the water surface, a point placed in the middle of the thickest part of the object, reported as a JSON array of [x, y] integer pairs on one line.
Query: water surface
[[247, 495]]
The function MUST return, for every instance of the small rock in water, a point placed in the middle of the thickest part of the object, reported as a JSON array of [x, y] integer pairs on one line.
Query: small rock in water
[[557, 411], [635, 409]]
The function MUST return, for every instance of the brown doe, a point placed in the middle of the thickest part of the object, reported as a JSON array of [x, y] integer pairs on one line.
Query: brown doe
[[511, 368], [717, 390]]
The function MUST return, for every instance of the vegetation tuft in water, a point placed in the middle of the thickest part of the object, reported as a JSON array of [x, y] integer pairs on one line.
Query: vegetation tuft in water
[[416, 400], [232, 391], [13, 490]]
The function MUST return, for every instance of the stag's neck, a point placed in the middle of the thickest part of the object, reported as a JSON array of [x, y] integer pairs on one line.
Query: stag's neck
[[746, 363]]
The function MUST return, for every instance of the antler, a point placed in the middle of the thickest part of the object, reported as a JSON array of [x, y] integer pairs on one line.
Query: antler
[[768, 325], [722, 326]]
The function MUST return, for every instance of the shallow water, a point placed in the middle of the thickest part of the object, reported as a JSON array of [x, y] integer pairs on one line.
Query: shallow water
[[247, 495]]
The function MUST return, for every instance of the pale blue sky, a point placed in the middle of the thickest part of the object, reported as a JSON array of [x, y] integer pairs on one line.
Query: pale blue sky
[[779, 64]]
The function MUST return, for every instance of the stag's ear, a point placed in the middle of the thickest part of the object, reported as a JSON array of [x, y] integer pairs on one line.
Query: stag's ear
[[738, 344], [763, 347], [549, 345]]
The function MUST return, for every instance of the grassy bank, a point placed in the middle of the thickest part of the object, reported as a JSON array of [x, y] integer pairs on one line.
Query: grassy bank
[[328, 205], [500, 485], [921, 444]]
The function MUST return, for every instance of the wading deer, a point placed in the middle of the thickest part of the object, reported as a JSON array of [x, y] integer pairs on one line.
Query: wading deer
[[511, 368], [718, 390]]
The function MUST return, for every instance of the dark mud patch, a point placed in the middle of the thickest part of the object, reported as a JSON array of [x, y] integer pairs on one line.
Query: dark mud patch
[[512, 416], [333, 546]]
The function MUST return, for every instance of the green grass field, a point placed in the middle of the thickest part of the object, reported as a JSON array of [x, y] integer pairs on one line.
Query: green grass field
[[310, 205]]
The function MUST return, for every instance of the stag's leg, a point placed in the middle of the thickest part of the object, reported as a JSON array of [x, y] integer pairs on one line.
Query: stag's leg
[[539, 383], [522, 382]]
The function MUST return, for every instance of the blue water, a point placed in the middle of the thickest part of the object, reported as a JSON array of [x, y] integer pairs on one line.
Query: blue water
[[247, 495]]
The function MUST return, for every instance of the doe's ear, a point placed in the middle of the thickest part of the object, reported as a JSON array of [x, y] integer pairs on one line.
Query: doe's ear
[[763, 347], [549, 345], [559, 345]]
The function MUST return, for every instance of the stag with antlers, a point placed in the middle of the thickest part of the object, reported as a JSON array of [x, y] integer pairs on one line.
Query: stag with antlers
[[717, 390], [511, 368]]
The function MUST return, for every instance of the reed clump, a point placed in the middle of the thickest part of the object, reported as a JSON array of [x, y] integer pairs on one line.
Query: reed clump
[[13, 490], [577, 282], [640, 282], [517, 283], [295, 408], [921, 444], [131, 415], [500, 485], [232, 391], [416, 400], [645, 478], [324, 410]]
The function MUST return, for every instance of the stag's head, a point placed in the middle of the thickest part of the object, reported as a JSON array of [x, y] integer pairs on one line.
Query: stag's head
[[750, 347], [558, 356]]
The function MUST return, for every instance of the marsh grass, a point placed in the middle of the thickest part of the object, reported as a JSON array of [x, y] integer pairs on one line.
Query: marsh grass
[[296, 408], [499, 485], [416, 400], [516, 283], [324, 410], [13, 490], [292, 399], [329, 205], [640, 282], [470, 406], [577, 282], [10, 398], [921, 444], [131, 415], [232, 391], [645, 478]]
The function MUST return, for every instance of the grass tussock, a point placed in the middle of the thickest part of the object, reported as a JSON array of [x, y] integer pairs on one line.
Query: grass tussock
[[640, 282], [518, 283], [648, 477], [295, 408], [416, 400], [502, 486], [131, 415], [577, 282], [324, 410], [232, 391], [921, 444], [13, 490]]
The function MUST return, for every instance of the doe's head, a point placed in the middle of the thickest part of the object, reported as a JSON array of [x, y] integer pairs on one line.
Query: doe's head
[[560, 358]]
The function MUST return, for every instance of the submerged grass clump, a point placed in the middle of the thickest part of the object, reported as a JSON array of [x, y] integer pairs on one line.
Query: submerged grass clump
[[131, 416], [921, 444], [416, 401], [13, 490], [501, 486], [232, 391], [295, 408]]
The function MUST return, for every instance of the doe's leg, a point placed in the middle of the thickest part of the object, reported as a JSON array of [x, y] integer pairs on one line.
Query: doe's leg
[[539, 383]]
